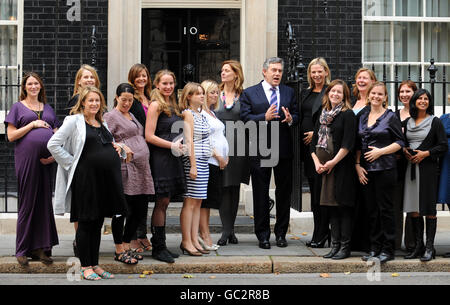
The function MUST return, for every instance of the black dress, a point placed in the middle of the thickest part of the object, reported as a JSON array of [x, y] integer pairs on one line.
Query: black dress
[[97, 189], [167, 169]]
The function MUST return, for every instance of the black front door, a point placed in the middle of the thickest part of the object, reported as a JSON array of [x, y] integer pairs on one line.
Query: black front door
[[190, 42]]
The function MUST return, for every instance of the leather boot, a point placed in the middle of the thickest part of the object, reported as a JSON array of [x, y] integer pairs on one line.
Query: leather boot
[[346, 233], [417, 228], [159, 250], [335, 234], [430, 252]]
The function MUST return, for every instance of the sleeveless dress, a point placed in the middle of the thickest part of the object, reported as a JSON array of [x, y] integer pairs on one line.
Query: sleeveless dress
[[197, 188], [167, 169]]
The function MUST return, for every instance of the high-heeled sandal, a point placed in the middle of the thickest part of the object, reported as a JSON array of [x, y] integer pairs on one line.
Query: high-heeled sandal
[[213, 247], [134, 255], [143, 244], [183, 250]]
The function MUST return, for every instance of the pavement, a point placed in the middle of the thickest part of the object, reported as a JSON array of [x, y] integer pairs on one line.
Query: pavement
[[244, 257]]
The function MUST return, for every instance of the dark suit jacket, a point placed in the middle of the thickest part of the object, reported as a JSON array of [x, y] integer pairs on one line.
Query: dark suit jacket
[[254, 105]]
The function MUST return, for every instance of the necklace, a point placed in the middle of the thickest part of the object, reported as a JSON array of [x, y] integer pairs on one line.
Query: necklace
[[224, 100], [37, 112]]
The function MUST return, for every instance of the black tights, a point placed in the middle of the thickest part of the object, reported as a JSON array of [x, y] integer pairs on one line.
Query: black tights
[[137, 210], [88, 237], [159, 212]]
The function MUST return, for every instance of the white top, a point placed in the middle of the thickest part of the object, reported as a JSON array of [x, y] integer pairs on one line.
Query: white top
[[268, 91], [217, 137]]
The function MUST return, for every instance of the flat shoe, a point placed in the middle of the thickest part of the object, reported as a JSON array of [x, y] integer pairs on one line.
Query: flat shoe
[[22, 260]]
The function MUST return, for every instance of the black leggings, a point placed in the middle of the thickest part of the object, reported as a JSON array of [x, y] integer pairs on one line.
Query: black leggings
[[88, 237], [137, 212]]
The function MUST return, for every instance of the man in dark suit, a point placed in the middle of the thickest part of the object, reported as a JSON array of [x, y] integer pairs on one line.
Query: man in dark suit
[[274, 106]]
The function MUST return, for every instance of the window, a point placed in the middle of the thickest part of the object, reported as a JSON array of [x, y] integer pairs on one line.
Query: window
[[407, 33], [11, 12]]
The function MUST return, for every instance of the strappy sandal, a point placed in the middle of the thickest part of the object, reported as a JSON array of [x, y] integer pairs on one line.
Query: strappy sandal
[[104, 274], [91, 277], [146, 247], [125, 258], [134, 255]]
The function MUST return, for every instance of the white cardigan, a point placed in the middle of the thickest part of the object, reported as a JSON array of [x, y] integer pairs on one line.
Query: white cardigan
[[66, 146]]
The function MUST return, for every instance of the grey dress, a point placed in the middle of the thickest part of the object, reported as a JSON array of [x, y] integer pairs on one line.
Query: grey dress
[[238, 169], [412, 187]]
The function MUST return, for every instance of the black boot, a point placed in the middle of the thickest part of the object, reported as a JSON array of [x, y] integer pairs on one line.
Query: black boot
[[335, 233], [430, 252], [346, 234], [417, 229], [335, 246], [159, 250]]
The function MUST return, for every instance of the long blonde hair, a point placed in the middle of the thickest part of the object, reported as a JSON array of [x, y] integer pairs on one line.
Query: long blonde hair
[[79, 108], [322, 62], [208, 86], [237, 69], [157, 97], [76, 87]]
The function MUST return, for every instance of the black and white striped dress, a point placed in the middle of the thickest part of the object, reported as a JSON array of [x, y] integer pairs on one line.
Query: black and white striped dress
[[198, 188]]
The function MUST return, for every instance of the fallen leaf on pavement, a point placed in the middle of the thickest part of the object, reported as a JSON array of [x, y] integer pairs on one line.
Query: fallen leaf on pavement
[[212, 277], [146, 272], [347, 273], [395, 274], [295, 238], [142, 276], [304, 233], [188, 276], [325, 275]]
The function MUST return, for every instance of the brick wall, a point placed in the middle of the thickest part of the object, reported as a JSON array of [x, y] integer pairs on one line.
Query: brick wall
[[335, 36], [55, 48], [61, 45]]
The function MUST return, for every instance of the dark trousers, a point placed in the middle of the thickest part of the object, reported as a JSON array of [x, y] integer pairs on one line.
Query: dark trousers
[[88, 238], [380, 208], [137, 206], [341, 224], [260, 186], [321, 215], [228, 209]]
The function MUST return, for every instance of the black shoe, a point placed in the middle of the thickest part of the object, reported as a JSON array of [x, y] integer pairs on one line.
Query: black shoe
[[281, 242], [447, 255], [265, 244], [372, 254], [334, 250], [385, 257], [321, 244], [162, 255], [232, 239]]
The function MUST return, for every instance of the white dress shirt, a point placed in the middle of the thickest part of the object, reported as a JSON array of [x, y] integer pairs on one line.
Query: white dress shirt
[[268, 91]]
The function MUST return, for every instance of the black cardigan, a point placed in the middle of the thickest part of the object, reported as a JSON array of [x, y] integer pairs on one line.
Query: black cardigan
[[343, 132], [436, 143]]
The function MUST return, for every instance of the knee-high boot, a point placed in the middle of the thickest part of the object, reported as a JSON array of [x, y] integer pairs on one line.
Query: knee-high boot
[[159, 250], [430, 252], [417, 230]]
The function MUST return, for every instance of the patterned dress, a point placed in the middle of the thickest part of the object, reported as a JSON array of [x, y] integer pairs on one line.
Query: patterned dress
[[197, 188]]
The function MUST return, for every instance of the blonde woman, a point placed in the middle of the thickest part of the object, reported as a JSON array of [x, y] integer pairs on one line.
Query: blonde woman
[[86, 76], [167, 168], [319, 76], [88, 181], [217, 162], [364, 78], [196, 137]]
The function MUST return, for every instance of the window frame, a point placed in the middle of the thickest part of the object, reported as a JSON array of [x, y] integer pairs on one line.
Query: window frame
[[19, 23], [424, 63]]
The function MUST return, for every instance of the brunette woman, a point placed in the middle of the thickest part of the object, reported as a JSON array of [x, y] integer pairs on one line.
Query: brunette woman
[[404, 93], [333, 139], [196, 138], [30, 123], [217, 162], [426, 143], [136, 175], [311, 106], [237, 170], [88, 180], [166, 164], [379, 137], [139, 78]]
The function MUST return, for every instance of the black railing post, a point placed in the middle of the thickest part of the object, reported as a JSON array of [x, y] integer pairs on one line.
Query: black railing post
[[444, 89], [409, 72], [93, 47], [420, 76], [396, 87], [432, 69]]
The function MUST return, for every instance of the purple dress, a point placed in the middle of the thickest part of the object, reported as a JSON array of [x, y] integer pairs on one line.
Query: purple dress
[[36, 228]]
